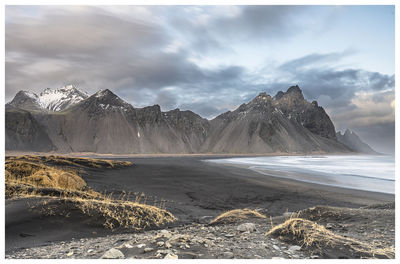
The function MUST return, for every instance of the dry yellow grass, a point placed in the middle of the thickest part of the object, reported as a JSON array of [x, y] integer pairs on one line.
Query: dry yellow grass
[[236, 216], [309, 234], [39, 175], [125, 214], [28, 176], [72, 161]]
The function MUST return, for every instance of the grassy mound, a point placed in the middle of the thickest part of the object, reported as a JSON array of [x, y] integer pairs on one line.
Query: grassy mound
[[236, 215], [21, 172], [42, 176], [315, 237]]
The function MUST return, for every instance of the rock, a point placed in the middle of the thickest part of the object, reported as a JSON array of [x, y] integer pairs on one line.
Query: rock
[[246, 227], [329, 226], [128, 245], [167, 244], [147, 250], [228, 255], [113, 254], [165, 233], [140, 245], [90, 250], [171, 256], [69, 254], [294, 248], [160, 244], [164, 251], [277, 258], [276, 247], [229, 235], [287, 214], [314, 257]]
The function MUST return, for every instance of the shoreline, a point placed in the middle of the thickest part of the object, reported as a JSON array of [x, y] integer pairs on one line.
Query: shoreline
[[160, 155], [314, 177]]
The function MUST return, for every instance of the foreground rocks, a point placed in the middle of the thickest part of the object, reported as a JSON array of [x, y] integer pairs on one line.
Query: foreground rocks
[[195, 241], [247, 240]]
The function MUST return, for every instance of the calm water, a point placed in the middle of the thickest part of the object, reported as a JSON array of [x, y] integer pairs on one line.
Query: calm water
[[369, 173]]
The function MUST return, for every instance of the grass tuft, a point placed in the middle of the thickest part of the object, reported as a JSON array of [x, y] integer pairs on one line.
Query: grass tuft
[[309, 234], [236, 215]]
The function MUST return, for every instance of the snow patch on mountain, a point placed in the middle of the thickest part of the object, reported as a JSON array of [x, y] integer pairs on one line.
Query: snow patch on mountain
[[61, 98]]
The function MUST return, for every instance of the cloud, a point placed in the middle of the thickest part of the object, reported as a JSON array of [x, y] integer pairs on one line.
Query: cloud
[[215, 29], [97, 50]]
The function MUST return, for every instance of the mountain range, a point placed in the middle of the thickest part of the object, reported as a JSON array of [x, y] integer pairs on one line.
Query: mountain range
[[68, 120]]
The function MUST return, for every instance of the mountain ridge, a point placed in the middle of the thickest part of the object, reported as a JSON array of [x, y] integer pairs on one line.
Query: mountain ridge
[[105, 123]]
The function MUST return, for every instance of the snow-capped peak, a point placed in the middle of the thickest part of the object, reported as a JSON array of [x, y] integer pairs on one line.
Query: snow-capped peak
[[57, 99], [61, 98]]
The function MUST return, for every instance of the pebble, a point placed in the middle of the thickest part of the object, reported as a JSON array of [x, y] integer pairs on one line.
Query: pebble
[[167, 245], [294, 248], [147, 250], [276, 247], [228, 255], [128, 245], [140, 245], [246, 227], [160, 244], [171, 256], [113, 253], [165, 233]]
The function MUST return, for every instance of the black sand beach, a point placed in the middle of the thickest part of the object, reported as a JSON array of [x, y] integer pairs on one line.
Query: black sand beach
[[193, 191]]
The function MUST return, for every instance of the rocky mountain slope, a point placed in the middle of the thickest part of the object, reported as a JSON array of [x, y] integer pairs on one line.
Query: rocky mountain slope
[[23, 132], [104, 123], [283, 123], [353, 142]]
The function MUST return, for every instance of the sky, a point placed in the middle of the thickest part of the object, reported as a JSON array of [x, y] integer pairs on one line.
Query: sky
[[211, 59]]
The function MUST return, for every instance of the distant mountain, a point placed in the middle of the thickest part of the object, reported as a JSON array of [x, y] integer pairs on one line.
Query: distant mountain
[[353, 142], [283, 123], [50, 99], [104, 123]]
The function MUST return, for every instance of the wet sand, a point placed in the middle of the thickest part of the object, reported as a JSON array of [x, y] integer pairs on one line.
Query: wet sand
[[193, 190]]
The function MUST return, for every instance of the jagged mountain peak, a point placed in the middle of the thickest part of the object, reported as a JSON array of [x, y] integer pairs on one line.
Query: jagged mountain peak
[[104, 93], [106, 100], [60, 98], [294, 89], [279, 95]]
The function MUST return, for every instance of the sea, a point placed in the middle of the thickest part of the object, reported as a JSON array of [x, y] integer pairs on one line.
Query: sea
[[360, 172]]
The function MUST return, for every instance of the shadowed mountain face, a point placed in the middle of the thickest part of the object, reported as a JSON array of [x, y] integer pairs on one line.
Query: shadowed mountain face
[[23, 132], [353, 142], [104, 123]]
